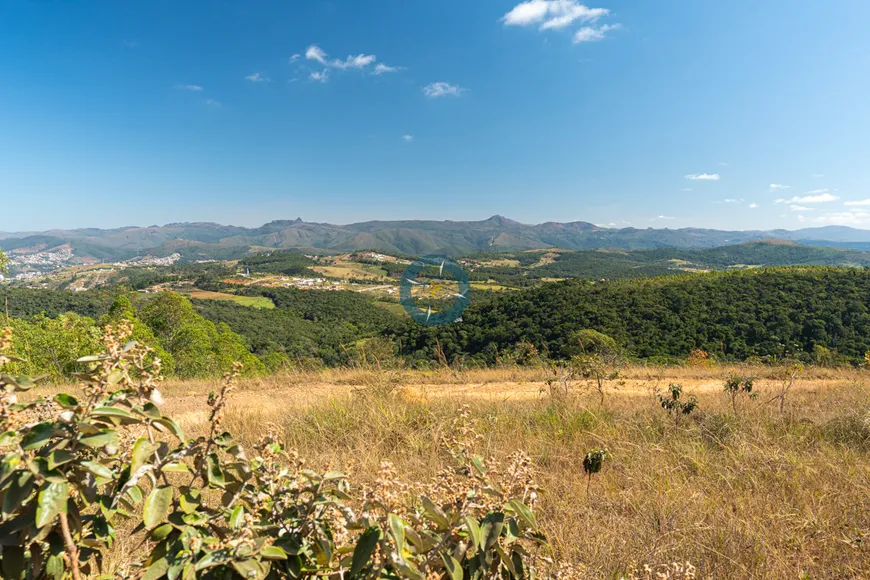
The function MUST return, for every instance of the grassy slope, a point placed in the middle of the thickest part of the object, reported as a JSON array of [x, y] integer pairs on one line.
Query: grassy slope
[[756, 495]]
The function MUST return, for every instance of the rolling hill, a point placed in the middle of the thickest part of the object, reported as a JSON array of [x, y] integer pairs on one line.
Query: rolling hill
[[202, 240]]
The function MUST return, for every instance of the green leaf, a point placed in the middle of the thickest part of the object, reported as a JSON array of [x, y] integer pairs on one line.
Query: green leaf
[[398, 529], [175, 467], [477, 463], [8, 438], [101, 439], [112, 412], [435, 513], [189, 501], [490, 530], [151, 411], [59, 457], [18, 491], [273, 553], [237, 518], [214, 472], [66, 401], [38, 436], [157, 506], [473, 531], [13, 563], [98, 469], [454, 568], [156, 570], [52, 501], [524, 513], [365, 547], [169, 426], [142, 451], [160, 532], [251, 569]]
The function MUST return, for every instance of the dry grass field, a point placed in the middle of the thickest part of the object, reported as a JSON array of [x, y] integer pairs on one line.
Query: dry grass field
[[756, 494]]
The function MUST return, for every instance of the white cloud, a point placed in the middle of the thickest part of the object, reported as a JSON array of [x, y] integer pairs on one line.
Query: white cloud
[[442, 89], [815, 191], [703, 177], [731, 200], [320, 76], [359, 61], [188, 87], [778, 186], [552, 13], [593, 34], [315, 53], [854, 217], [801, 208], [258, 78], [353, 61], [408, 138], [860, 202], [815, 196], [753, 205], [295, 57], [212, 103], [665, 217], [382, 68], [801, 218]]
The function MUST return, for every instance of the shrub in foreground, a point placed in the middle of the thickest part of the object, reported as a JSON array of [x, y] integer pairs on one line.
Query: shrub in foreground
[[75, 468]]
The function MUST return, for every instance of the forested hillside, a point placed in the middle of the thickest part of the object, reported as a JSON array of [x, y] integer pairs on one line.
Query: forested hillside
[[778, 312]]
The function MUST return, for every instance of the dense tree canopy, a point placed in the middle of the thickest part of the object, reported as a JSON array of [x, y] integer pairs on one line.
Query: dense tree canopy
[[769, 313]]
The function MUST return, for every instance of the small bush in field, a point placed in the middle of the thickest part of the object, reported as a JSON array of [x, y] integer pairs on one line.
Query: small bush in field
[[737, 386], [73, 468], [593, 462], [674, 404], [700, 359]]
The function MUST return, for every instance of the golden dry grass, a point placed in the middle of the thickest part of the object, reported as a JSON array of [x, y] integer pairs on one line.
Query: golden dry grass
[[758, 494]]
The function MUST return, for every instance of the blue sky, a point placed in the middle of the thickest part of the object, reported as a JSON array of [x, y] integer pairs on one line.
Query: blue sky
[[743, 114]]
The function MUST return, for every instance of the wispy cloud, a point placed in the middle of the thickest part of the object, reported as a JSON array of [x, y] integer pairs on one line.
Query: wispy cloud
[[703, 177], [549, 14], [593, 33], [815, 196], [778, 186], [801, 208], [315, 53], [183, 87], [858, 202], [753, 205], [407, 138], [257, 78], [442, 89], [320, 76], [295, 57], [382, 68], [664, 217], [360, 61], [851, 217], [213, 103], [558, 14]]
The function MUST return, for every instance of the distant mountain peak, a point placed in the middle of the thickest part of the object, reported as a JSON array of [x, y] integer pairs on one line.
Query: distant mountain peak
[[501, 221]]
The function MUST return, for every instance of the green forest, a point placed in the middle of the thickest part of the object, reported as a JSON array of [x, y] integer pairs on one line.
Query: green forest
[[814, 314], [775, 313]]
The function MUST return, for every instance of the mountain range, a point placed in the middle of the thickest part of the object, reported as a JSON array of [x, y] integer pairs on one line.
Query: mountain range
[[200, 240]]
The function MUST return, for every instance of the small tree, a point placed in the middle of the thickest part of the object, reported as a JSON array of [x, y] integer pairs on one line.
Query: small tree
[[598, 359], [789, 375], [674, 404], [592, 464], [735, 386]]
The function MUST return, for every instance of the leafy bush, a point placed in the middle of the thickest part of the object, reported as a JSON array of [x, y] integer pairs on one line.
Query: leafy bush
[[675, 405], [75, 468]]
